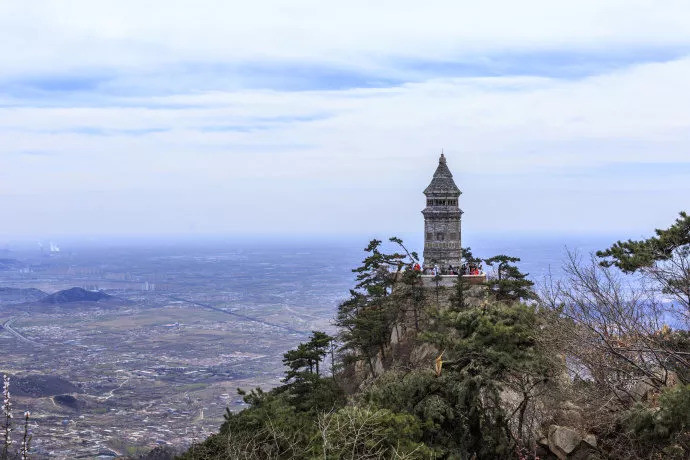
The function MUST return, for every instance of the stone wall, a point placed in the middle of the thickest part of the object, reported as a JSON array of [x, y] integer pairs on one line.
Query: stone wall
[[442, 237], [450, 280]]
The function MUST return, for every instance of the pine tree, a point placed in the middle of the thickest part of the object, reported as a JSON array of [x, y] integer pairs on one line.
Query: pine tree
[[664, 257], [306, 389], [412, 294], [462, 288], [461, 294], [468, 257], [306, 358], [485, 349], [511, 284], [366, 319]]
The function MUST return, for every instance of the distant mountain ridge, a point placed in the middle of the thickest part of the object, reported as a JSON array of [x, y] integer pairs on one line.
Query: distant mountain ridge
[[11, 294], [75, 294]]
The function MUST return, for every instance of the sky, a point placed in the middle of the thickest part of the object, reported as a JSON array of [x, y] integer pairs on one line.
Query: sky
[[311, 117]]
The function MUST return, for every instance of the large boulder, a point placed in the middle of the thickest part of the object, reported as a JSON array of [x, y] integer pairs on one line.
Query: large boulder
[[567, 443], [563, 440], [570, 414], [640, 390]]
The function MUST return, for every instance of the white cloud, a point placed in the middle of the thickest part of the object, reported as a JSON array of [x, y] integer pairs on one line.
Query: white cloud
[[250, 158], [49, 35]]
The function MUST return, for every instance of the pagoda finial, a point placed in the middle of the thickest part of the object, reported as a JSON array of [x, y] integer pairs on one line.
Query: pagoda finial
[[443, 158]]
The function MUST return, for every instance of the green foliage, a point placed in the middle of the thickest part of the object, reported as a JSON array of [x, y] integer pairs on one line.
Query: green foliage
[[370, 433], [373, 276], [666, 257], [306, 389], [666, 425], [411, 296], [398, 391], [461, 294], [672, 416], [307, 357], [412, 255], [281, 423], [496, 338], [485, 348], [462, 289], [679, 342], [365, 326], [468, 257], [510, 284], [460, 412], [269, 428], [312, 393], [272, 427], [631, 255], [367, 317]]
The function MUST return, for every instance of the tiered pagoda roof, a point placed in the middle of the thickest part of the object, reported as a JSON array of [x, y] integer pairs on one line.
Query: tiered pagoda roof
[[442, 183]]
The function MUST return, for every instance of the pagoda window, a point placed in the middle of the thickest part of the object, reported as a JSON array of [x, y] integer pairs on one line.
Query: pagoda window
[[429, 202], [439, 236]]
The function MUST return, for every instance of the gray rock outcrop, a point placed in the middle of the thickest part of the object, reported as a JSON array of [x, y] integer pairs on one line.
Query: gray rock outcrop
[[567, 443]]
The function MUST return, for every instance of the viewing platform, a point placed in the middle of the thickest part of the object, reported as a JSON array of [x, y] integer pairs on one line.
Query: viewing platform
[[450, 280]]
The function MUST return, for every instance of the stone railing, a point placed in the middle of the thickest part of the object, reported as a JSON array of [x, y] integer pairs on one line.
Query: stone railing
[[450, 280]]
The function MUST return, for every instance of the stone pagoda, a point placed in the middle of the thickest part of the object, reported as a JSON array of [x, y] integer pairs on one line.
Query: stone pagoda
[[442, 221]]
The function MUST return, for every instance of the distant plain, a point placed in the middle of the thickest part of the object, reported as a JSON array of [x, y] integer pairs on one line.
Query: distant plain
[[188, 324]]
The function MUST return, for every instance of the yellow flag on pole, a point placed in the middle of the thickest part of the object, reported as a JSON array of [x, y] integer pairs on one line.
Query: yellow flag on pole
[[438, 364]]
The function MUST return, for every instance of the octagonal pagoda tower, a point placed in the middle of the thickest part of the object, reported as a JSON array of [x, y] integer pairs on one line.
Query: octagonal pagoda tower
[[442, 220]]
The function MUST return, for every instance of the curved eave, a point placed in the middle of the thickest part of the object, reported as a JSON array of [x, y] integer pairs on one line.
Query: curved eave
[[445, 191], [440, 211]]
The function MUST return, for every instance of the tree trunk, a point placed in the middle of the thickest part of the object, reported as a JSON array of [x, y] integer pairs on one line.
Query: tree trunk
[[332, 361], [521, 415], [371, 366]]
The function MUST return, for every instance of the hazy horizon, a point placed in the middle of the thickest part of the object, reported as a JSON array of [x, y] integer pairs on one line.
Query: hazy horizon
[[413, 240], [529, 246]]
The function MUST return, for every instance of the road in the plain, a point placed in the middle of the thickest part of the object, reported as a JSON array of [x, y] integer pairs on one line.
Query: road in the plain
[[7, 325], [239, 315]]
